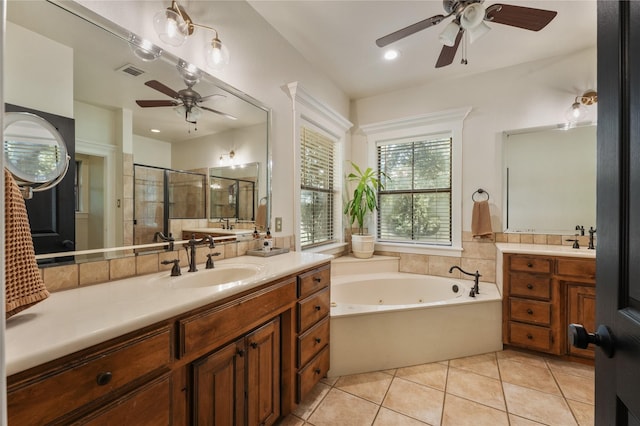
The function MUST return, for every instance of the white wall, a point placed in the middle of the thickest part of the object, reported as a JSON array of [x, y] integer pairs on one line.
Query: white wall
[[151, 152], [41, 80], [262, 63], [528, 95]]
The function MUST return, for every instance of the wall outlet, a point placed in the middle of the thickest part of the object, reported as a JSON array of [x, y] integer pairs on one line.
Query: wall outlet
[[278, 224]]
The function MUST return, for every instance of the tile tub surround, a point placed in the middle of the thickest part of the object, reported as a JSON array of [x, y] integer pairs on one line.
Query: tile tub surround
[[69, 321], [498, 388], [70, 276]]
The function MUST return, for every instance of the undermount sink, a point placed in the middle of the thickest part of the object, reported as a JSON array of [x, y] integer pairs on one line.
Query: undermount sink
[[220, 275]]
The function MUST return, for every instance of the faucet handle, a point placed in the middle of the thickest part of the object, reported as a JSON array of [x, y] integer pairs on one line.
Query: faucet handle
[[175, 269], [209, 264]]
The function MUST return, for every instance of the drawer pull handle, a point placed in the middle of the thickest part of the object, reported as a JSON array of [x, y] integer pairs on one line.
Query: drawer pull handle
[[530, 286], [318, 340], [317, 307], [317, 279], [317, 371], [103, 378], [529, 311], [529, 265], [240, 352], [253, 345], [529, 336]]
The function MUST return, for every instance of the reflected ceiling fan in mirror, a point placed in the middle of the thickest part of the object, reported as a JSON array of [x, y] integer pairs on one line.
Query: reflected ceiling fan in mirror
[[185, 102], [470, 18]]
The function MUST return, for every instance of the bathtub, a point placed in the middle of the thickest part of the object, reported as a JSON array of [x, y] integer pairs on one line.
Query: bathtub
[[388, 320]]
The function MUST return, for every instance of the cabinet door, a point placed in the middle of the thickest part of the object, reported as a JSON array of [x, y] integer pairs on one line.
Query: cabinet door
[[218, 387], [581, 301], [263, 374]]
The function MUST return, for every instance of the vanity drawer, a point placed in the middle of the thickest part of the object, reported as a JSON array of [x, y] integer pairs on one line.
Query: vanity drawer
[[584, 268], [530, 336], [531, 311], [312, 281], [529, 285], [313, 309], [312, 341], [88, 378], [536, 264], [216, 326], [312, 373]]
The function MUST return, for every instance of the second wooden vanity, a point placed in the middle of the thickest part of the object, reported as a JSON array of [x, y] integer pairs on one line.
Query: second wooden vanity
[[246, 359], [542, 295]]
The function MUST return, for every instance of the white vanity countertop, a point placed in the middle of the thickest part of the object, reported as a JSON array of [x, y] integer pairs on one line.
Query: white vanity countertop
[[218, 231], [543, 249], [71, 320]]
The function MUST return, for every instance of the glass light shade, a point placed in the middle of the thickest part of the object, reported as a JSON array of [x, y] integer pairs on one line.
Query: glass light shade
[[144, 49], [217, 54], [449, 34], [472, 16], [478, 31], [189, 72], [576, 113], [194, 114], [170, 27]]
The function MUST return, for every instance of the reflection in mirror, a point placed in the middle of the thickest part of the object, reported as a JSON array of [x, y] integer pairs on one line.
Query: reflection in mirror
[[550, 179], [234, 192], [112, 130]]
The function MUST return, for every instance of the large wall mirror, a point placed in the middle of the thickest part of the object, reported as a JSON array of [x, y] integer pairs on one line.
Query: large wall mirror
[[62, 58], [550, 179]]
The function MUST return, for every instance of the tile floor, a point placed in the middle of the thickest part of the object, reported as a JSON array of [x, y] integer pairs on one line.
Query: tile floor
[[501, 388]]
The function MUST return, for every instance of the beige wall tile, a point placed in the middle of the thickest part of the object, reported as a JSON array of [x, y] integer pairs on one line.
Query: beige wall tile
[[513, 238], [540, 239], [501, 237], [487, 268], [467, 236], [146, 264], [60, 277], [122, 268], [94, 272], [478, 250], [554, 240], [526, 238], [414, 263], [230, 250], [243, 247], [440, 265]]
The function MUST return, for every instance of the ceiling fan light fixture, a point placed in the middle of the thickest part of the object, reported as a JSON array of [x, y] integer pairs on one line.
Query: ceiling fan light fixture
[[472, 16], [391, 54], [217, 54], [478, 31], [449, 34], [171, 26]]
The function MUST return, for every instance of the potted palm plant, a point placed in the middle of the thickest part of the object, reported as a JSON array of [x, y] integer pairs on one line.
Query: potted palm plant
[[364, 201]]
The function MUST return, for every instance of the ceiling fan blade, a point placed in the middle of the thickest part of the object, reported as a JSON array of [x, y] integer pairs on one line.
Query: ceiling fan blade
[[449, 52], [155, 84], [407, 31], [156, 103], [519, 16], [206, 98], [224, 114]]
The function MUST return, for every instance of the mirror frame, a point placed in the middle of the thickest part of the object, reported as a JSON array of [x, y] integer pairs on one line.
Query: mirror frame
[[125, 35]]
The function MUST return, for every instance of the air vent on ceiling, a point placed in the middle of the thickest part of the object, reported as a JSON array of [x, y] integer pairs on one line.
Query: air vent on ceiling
[[131, 70]]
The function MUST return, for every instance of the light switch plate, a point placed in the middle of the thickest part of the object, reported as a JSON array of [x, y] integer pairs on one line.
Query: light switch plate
[[278, 224]]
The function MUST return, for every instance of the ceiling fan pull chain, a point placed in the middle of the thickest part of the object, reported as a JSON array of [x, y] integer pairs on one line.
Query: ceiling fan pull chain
[[464, 49]]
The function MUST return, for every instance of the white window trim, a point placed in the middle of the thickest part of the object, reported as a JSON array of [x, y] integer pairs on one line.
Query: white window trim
[[314, 113], [449, 123]]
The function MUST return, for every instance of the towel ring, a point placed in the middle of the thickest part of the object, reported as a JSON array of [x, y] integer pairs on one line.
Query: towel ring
[[263, 199], [480, 191]]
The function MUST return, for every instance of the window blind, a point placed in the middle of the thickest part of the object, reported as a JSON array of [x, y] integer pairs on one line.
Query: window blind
[[317, 193], [415, 205]]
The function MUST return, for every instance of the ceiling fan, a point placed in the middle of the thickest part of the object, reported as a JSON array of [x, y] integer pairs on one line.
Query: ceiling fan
[[470, 16], [185, 101]]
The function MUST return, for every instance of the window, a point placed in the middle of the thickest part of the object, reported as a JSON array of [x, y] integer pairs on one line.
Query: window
[[415, 205], [317, 188]]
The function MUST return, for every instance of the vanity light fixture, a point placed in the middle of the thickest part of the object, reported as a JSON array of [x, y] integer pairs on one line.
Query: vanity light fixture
[[189, 72], [173, 25], [144, 49], [578, 111], [227, 158]]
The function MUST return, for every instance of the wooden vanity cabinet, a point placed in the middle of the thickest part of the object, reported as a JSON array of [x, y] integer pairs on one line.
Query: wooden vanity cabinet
[[245, 360], [98, 383], [314, 304], [542, 296]]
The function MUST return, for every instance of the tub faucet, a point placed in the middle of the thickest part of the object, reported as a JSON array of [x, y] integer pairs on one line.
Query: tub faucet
[[191, 249], [476, 279]]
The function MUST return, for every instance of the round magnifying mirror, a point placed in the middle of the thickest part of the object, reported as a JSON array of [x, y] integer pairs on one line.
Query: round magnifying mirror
[[34, 150]]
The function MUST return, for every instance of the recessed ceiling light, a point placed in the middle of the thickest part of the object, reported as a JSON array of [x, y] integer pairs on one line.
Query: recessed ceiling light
[[154, 130], [391, 54]]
